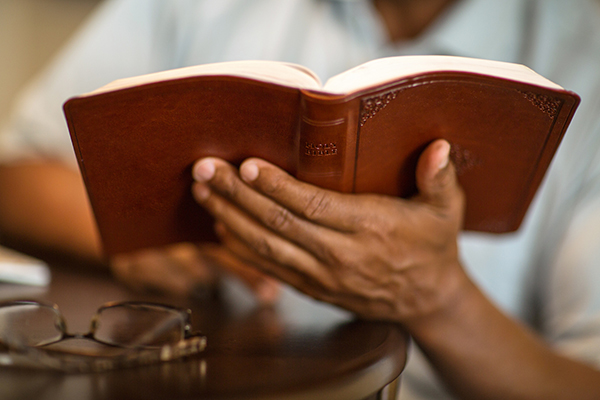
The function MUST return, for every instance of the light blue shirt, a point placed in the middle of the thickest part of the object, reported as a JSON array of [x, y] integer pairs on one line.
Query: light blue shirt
[[547, 274]]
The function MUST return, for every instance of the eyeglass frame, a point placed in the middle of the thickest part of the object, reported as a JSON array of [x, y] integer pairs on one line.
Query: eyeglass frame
[[37, 355]]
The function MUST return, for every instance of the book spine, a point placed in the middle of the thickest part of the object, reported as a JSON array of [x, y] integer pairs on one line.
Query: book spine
[[327, 141]]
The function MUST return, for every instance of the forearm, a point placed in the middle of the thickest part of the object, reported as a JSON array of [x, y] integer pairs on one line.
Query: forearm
[[480, 353], [45, 204]]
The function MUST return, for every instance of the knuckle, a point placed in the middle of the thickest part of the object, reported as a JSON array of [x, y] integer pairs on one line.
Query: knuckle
[[359, 273], [316, 206], [275, 185], [346, 259], [331, 255], [279, 218], [263, 246]]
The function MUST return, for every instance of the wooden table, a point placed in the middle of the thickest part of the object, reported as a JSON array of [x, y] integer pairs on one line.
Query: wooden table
[[299, 349]]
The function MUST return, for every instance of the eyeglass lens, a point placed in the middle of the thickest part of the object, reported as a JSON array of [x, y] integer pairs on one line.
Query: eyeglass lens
[[138, 325], [124, 325], [30, 324]]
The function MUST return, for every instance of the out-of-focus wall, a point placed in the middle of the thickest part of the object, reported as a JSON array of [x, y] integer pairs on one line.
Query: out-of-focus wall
[[31, 31]]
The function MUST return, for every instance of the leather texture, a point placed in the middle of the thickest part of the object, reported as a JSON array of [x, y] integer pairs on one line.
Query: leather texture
[[136, 146]]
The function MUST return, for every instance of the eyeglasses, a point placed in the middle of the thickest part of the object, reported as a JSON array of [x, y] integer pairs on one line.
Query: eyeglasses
[[122, 334]]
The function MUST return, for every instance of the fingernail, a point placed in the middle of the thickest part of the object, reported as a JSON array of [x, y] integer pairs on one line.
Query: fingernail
[[446, 159], [249, 171], [204, 170], [201, 192]]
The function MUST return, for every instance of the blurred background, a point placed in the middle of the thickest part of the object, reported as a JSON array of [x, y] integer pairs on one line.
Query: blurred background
[[31, 31]]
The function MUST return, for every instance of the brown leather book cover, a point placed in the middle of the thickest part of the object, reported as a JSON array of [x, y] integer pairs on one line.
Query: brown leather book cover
[[136, 141]]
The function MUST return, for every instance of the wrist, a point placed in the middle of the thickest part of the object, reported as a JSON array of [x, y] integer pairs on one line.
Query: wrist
[[454, 296]]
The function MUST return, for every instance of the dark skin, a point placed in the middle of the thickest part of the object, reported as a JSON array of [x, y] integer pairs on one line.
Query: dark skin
[[406, 19], [389, 259]]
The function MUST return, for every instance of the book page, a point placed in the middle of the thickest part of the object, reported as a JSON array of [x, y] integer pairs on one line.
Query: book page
[[281, 73], [384, 70]]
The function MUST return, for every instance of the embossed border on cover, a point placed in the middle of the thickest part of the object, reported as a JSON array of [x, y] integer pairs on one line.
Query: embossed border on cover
[[546, 104], [372, 105]]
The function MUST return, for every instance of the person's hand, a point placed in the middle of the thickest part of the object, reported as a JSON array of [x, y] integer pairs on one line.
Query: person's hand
[[187, 269], [378, 256]]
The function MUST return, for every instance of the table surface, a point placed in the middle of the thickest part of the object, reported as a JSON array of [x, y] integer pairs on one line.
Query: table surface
[[299, 349]]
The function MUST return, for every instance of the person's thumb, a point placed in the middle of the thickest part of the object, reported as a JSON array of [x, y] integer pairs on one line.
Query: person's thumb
[[436, 177]]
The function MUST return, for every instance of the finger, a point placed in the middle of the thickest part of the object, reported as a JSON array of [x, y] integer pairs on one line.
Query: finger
[[266, 289], [240, 207], [178, 269], [324, 207], [191, 260], [122, 269], [150, 270], [324, 287], [254, 231], [257, 244], [296, 277], [436, 177]]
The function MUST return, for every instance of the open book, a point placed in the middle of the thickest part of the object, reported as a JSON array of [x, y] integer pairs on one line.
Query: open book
[[136, 139], [364, 76]]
